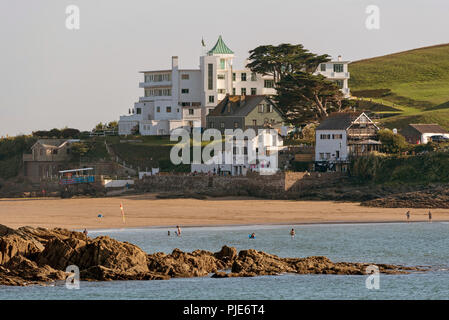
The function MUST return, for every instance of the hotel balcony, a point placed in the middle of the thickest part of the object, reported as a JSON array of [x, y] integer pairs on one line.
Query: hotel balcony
[[155, 84], [335, 75]]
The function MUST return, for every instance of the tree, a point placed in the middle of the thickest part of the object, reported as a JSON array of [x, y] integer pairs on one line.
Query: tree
[[112, 125], [99, 126], [70, 133], [279, 61], [54, 133], [392, 143], [78, 149], [303, 97]]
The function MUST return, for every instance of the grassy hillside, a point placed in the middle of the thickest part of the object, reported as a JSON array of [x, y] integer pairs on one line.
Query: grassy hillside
[[416, 82]]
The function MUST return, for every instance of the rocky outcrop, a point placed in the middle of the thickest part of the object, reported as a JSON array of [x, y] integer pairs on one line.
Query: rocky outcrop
[[41, 256]]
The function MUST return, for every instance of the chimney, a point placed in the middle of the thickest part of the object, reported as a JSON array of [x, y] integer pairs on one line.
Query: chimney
[[339, 58], [174, 62]]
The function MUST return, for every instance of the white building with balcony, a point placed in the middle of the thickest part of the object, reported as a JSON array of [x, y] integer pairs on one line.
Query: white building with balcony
[[178, 97]]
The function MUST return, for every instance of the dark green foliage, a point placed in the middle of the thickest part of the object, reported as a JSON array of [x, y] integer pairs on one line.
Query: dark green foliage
[[374, 93], [429, 167], [11, 150], [70, 133], [392, 143]]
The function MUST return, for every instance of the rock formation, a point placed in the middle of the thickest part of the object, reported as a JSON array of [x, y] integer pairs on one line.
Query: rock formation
[[41, 256]]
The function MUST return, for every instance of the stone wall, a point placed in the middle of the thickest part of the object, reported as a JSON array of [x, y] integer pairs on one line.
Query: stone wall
[[271, 186]]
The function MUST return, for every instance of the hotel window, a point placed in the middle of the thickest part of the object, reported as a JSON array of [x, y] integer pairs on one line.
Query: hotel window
[[253, 76], [243, 76], [158, 109], [323, 67], [148, 78], [254, 122], [184, 90], [337, 136], [268, 83], [222, 63], [220, 76], [253, 91], [222, 125], [243, 91], [210, 76], [236, 124], [191, 112], [168, 109], [185, 77], [222, 91], [211, 99], [321, 156], [325, 136], [138, 110], [328, 155], [339, 83], [233, 91], [148, 92], [233, 76], [338, 67]]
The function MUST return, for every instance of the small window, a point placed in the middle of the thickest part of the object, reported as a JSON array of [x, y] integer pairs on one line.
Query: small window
[[268, 83], [270, 108], [233, 76], [323, 67], [253, 91], [321, 156], [221, 77], [185, 77], [243, 90], [211, 124], [243, 76], [184, 90], [191, 112], [221, 91], [54, 151], [168, 109], [222, 63], [211, 99], [254, 122], [222, 125], [253, 76], [261, 108], [233, 91], [158, 109], [338, 67], [138, 110], [236, 124]]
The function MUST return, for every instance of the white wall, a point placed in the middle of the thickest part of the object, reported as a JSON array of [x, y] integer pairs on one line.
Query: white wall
[[425, 137], [331, 145]]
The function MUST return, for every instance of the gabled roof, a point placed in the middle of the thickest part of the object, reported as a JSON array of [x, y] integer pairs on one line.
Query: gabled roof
[[239, 106], [220, 48], [341, 120], [52, 143], [428, 128]]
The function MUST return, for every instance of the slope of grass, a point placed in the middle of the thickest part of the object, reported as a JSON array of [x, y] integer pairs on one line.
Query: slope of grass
[[418, 81]]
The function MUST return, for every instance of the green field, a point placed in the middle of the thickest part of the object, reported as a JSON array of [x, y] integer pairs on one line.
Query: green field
[[418, 81]]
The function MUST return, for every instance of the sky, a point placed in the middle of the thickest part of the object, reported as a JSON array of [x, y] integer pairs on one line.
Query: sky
[[53, 77]]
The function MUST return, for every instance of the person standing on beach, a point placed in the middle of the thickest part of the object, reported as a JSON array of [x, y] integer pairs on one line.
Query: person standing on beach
[[179, 231], [430, 216], [169, 233], [85, 233], [408, 216]]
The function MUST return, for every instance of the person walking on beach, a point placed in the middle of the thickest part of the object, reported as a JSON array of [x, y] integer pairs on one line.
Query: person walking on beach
[[179, 231], [292, 233], [169, 233], [408, 216], [430, 216]]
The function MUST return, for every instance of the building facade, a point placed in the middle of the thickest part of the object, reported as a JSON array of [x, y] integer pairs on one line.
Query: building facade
[[342, 135], [423, 133], [176, 97]]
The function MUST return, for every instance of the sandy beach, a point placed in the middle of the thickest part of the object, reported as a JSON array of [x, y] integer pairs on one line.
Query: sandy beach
[[146, 211]]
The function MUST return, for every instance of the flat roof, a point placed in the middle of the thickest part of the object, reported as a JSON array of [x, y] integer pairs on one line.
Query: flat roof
[[74, 170]]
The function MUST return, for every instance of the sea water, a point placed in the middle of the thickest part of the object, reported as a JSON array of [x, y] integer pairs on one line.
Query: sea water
[[410, 244]]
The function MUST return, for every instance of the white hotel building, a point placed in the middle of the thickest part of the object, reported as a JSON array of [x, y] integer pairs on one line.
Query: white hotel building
[[177, 97]]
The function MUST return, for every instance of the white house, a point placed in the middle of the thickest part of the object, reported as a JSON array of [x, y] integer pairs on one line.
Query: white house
[[344, 134], [257, 154], [178, 97], [422, 133]]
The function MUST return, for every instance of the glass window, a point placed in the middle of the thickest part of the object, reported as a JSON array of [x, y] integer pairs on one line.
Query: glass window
[[233, 91], [222, 91], [323, 67], [222, 63], [253, 76], [210, 74], [211, 99], [184, 90], [211, 124], [339, 83], [253, 91], [261, 107], [243, 76], [233, 76], [243, 90], [168, 109], [138, 110], [185, 77], [338, 67], [254, 122], [158, 109], [191, 112], [268, 84], [222, 125], [236, 124], [221, 76]]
